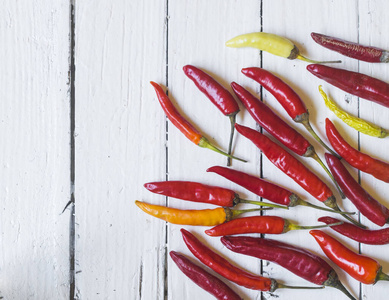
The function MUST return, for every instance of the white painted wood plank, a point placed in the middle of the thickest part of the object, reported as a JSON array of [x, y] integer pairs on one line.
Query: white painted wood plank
[[120, 145], [35, 123]]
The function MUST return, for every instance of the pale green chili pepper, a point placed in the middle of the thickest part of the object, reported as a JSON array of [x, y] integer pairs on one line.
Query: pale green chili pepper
[[354, 122]]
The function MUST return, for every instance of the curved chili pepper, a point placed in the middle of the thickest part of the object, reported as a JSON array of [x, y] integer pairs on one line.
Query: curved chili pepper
[[218, 95], [297, 260], [354, 122], [203, 279], [265, 189], [350, 49], [286, 96], [357, 84], [182, 124], [257, 224], [363, 201], [271, 43], [203, 217], [355, 158], [198, 192], [362, 268], [223, 267], [273, 124], [364, 236]]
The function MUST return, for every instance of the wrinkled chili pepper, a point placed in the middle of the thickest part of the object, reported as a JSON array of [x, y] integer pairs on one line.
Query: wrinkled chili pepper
[[271, 43], [357, 84], [198, 192], [265, 189], [279, 129], [364, 236], [355, 158], [362, 268], [297, 260], [182, 124], [203, 279], [286, 96], [218, 95], [257, 224], [354, 122], [202, 217], [350, 49], [293, 168], [363, 201], [223, 267]]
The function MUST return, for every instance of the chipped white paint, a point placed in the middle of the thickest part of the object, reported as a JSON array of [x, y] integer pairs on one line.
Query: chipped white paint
[[121, 140]]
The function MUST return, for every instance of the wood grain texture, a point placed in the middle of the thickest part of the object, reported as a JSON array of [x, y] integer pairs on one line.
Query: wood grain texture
[[35, 184]]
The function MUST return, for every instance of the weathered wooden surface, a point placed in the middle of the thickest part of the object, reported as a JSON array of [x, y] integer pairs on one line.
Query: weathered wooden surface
[[122, 138]]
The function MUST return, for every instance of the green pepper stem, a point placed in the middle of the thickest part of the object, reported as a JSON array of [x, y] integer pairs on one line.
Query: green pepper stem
[[304, 203], [262, 203], [232, 121], [283, 286], [382, 276], [206, 144], [332, 203], [341, 288], [298, 227], [237, 212], [303, 58]]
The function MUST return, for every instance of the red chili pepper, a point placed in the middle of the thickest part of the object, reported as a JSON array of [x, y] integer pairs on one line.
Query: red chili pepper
[[286, 96], [355, 158], [218, 95], [357, 84], [363, 201], [297, 260], [362, 268], [364, 236], [203, 279], [273, 124], [264, 189], [350, 49], [223, 267], [198, 192], [256, 224], [182, 124], [293, 168]]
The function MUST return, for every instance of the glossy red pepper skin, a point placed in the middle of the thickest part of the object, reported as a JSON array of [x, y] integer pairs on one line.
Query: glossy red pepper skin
[[215, 92], [355, 158], [363, 201], [362, 268], [350, 49], [297, 260], [364, 236], [288, 164], [175, 117], [223, 267], [203, 279], [194, 191], [284, 94], [256, 185], [254, 224], [273, 124], [357, 84]]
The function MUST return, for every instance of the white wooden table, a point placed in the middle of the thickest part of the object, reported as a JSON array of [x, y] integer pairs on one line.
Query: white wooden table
[[81, 123]]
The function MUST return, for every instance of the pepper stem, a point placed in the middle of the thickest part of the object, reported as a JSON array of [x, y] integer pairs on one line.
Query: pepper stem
[[316, 157], [232, 121], [304, 203], [206, 144], [237, 212], [307, 125], [330, 202], [291, 226], [283, 286], [262, 203], [303, 58], [382, 276]]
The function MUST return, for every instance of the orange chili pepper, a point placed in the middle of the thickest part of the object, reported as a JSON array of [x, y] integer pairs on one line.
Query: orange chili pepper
[[204, 217], [182, 124], [362, 268]]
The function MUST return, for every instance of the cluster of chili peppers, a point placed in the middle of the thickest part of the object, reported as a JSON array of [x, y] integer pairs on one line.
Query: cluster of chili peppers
[[297, 260]]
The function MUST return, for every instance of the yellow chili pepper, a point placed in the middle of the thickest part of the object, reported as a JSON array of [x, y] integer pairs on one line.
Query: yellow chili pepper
[[271, 43], [204, 217], [354, 122]]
